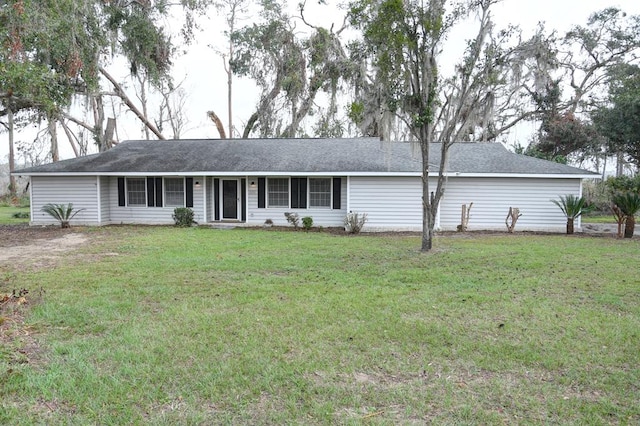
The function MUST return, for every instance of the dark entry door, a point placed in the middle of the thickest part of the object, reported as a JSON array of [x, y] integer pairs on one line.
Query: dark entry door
[[230, 199]]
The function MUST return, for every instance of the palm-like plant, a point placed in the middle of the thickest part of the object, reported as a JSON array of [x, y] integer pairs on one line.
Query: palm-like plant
[[61, 212], [629, 204], [572, 206]]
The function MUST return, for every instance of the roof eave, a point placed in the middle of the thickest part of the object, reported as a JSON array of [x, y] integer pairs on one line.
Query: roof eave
[[527, 175], [319, 173]]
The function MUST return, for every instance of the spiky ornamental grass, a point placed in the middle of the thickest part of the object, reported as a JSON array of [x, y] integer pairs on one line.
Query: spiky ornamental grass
[[629, 204], [572, 206], [61, 212]]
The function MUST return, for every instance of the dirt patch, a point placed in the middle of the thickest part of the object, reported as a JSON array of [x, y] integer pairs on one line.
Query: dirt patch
[[36, 246]]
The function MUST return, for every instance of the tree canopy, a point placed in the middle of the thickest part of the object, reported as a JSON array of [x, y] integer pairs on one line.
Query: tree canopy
[[619, 120]]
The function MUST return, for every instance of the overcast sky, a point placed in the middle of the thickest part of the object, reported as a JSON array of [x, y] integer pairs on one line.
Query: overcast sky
[[205, 80]]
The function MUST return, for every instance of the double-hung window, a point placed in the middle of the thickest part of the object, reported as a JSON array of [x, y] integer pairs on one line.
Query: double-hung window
[[174, 192], [136, 192], [278, 192], [320, 192]]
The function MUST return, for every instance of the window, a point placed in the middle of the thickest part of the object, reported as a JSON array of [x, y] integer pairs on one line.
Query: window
[[278, 192], [320, 192], [136, 192], [174, 192]]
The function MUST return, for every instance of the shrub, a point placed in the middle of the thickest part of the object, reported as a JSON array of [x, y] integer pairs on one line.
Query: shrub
[[572, 206], [307, 222], [623, 184], [183, 216], [293, 219], [9, 200], [20, 215], [354, 222], [62, 213], [629, 204], [268, 223]]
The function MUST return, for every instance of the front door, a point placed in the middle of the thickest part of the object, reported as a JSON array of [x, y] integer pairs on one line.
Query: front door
[[230, 199]]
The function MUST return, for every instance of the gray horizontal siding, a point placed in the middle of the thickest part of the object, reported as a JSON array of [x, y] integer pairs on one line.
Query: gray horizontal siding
[[105, 200], [321, 216], [492, 198], [389, 202], [81, 191], [151, 215]]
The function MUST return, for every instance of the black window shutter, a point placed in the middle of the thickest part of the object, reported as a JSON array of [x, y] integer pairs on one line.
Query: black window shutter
[[150, 192], [243, 191], [295, 190], [216, 199], [262, 187], [189, 191], [337, 190], [302, 193], [121, 198], [158, 192], [298, 193]]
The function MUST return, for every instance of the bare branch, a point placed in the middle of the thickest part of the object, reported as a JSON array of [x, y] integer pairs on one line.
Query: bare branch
[[78, 122], [132, 107], [70, 137]]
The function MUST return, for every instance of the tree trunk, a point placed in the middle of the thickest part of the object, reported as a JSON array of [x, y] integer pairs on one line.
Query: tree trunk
[[569, 225], [427, 216], [630, 226], [619, 164], [108, 134], [230, 90], [216, 120], [98, 119], [53, 132], [143, 100], [12, 160]]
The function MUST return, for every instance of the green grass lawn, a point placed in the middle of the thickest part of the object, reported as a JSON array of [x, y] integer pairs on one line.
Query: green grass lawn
[[6, 215], [598, 218], [161, 325]]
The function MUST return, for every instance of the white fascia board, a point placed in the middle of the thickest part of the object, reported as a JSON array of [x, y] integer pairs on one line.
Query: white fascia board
[[76, 174], [521, 175], [234, 174], [328, 173]]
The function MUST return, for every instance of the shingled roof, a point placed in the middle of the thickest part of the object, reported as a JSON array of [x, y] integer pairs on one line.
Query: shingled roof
[[331, 156]]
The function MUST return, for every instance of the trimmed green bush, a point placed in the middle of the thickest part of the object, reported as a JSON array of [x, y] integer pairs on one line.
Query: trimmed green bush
[[183, 216], [307, 222]]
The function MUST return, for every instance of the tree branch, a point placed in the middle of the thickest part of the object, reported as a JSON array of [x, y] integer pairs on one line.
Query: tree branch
[[78, 122], [70, 137], [132, 107]]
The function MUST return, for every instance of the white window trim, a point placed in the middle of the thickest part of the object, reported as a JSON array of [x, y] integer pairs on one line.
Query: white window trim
[[164, 191], [309, 206], [268, 200], [126, 191]]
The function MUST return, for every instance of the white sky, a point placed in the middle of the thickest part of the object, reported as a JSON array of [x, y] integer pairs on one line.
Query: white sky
[[205, 80]]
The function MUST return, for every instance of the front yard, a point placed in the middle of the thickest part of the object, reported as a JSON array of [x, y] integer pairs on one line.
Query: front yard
[[161, 325]]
